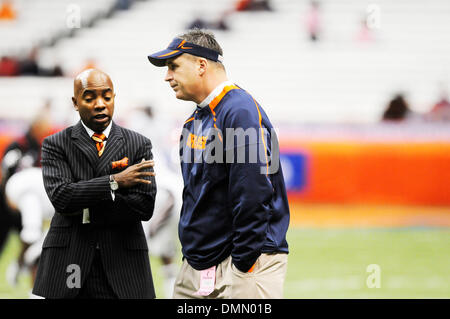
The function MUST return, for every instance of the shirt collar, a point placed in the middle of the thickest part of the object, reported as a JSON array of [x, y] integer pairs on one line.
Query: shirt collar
[[214, 93], [91, 132]]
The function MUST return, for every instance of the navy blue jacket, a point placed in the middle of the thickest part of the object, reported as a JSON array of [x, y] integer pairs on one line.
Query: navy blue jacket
[[231, 206]]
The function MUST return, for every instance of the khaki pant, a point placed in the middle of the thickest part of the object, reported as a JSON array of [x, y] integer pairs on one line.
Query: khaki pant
[[266, 281]]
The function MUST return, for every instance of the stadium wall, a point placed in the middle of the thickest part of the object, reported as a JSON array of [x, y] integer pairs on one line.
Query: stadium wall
[[411, 173]]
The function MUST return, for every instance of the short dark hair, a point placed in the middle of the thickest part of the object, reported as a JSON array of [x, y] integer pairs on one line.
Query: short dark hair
[[203, 38]]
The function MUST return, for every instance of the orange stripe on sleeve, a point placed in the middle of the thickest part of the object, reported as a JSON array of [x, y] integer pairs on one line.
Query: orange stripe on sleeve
[[188, 120], [262, 136]]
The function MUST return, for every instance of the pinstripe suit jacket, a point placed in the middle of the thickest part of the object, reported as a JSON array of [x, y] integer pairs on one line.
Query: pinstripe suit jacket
[[76, 178]]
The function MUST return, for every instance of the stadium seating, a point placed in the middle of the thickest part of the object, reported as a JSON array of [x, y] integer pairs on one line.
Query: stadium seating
[[40, 22], [268, 53]]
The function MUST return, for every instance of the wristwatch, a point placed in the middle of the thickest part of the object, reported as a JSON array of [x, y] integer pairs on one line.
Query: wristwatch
[[112, 183]]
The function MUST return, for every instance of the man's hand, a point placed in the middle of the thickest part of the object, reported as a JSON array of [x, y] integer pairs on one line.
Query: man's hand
[[134, 175]]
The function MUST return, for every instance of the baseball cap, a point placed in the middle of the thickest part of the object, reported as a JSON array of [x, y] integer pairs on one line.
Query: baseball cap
[[179, 46]]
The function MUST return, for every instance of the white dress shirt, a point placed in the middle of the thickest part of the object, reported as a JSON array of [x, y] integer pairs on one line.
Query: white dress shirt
[[214, 93], [106, 132]]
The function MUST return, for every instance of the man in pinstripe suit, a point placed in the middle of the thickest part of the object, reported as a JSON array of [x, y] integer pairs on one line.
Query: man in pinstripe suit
[[99, 177]]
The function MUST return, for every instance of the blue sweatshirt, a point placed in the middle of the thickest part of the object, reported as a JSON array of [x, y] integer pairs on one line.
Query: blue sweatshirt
[[231, 206]]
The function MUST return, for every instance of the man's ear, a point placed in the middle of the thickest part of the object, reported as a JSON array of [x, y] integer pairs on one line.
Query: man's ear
[[203, 65], [74, 101]]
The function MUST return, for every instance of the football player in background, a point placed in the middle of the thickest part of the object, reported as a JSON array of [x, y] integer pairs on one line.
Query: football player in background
[[161, 229], [25, 193], [21, 154]]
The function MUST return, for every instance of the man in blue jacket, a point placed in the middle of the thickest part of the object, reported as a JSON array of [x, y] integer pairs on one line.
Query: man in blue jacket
[[235, 212]]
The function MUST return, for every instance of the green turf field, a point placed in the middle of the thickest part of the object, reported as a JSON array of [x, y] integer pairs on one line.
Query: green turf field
[[332, 263]]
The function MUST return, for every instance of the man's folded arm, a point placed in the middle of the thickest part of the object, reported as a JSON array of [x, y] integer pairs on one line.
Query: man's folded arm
[[67, 196], [138, 201]]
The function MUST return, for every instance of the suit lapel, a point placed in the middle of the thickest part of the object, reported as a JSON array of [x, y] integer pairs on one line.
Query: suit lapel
[[83, 142], [113, 146]]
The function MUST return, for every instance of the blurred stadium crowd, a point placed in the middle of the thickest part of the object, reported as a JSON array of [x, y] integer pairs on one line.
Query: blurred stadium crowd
[[323, 61], [358, 90]]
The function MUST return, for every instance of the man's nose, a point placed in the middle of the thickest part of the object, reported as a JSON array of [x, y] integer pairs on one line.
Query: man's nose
[[168, 76], [100, 103]]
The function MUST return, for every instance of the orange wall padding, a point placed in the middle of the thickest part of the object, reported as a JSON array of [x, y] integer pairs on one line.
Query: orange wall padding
[[367, 173], [374, 173]]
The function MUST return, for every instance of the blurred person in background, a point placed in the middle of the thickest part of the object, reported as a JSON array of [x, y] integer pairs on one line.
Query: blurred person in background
[[124, 4], [7, 11], [21, 154], [144, 120], [222, 22], [253, 5], [313, 22], [161, 229], [30, 66], [364, 34], [25, 193], [219, 24], [90, 63], [440, 112], [398, 110], [9, 66]]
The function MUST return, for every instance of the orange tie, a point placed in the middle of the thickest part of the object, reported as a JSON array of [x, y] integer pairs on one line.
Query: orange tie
[[99, 138]]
